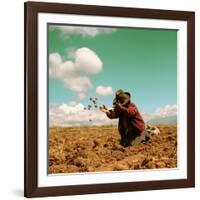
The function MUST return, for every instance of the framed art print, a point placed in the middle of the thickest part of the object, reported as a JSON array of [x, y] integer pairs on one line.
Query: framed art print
[[109, 99]]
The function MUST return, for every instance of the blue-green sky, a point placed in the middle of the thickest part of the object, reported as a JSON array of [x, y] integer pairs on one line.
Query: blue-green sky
[[140, 61]]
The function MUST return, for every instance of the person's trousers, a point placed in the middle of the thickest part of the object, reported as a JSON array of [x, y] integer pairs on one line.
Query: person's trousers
[[132, 137]]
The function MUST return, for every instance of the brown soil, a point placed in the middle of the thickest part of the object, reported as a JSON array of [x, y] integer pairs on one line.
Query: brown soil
[[91, 149]]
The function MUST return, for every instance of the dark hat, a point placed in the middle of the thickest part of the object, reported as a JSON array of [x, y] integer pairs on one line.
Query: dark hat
[[122, 97]]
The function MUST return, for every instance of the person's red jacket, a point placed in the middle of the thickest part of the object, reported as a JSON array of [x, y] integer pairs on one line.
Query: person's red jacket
[[129, 118]]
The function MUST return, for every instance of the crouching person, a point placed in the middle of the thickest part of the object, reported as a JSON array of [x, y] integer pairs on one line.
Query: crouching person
[[131, 125]]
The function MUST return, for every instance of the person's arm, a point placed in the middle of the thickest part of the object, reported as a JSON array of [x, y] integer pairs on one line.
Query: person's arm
[[110, 113], [131, 111]]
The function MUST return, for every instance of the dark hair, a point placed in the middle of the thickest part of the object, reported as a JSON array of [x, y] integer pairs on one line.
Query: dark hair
[[129, 94]]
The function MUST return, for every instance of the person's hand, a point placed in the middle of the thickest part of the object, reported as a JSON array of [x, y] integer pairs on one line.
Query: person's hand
[[118, 106], [103, 109]]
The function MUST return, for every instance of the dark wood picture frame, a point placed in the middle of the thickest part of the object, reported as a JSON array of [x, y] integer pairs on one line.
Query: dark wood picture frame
[[32, 9]]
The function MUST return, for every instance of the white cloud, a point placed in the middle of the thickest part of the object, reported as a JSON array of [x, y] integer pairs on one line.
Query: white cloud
[[168, 110], [104, 90], [58, 68], [55, 61], [78, 84], [71, 108], [66, 31], [87, 61], [74, 74], [161, 112], [73, 114]]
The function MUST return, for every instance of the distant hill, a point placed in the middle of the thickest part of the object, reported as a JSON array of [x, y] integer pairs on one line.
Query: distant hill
[[163, 120]]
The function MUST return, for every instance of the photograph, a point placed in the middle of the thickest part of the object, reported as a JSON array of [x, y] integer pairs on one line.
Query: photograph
[[112, 98], [109, 99]]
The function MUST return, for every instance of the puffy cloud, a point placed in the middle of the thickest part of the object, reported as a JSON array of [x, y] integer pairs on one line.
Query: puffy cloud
[[66, 31], [87, 61], [104, 90], [78, 84], [74, 73], [55, 61], [168, 110], [58, 68], [71, 108], [161, 112], [73, 114]]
